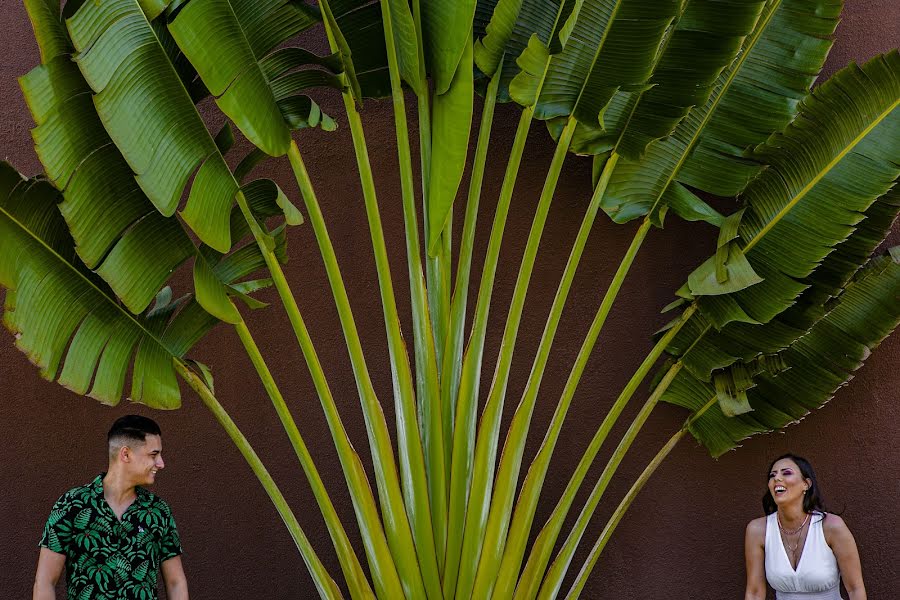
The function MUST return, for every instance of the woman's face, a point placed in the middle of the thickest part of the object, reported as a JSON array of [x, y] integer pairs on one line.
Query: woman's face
[[786, 483]]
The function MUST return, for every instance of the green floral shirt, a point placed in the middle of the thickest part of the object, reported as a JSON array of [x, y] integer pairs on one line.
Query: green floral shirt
[[108, 559]]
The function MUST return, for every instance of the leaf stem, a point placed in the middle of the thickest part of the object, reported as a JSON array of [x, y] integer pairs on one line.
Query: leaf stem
[[636, 487], [470, 378], [511, 458], [489, 425], [556, 573], [384, 572], [427, 385], [450, 373], [394, 512], [437, 268], [540, 554], [356, 578], [324, 584]]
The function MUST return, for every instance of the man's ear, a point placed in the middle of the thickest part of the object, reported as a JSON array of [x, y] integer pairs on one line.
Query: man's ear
[[125, 454]]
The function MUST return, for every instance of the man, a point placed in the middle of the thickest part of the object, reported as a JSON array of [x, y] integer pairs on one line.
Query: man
[[112, 536]]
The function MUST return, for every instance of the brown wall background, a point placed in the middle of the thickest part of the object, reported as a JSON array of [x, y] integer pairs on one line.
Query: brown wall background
[[683, 537]]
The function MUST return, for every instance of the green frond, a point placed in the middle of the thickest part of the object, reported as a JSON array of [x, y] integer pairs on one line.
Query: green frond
[[818, 363], [69, 322], [757, 95]]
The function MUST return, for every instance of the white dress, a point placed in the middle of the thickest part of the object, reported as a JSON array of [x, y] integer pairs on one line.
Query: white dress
[[817, 576]]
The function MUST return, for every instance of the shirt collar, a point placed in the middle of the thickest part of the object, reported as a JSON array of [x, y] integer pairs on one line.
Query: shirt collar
[[143, 496]]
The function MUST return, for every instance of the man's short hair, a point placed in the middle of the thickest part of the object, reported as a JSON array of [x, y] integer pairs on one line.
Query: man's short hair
[[131, 429]]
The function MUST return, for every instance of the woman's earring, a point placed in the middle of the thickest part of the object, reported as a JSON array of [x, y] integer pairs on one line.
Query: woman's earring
[[805, 490]]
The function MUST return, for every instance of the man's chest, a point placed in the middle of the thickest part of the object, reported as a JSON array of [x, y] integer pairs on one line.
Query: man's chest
[[113, 558]]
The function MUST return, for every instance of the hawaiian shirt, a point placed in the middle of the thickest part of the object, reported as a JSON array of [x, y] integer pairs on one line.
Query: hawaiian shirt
[[108, 559]]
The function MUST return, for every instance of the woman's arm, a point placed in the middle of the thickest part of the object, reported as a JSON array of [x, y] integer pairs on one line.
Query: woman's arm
[[838, 536], [755, 557]]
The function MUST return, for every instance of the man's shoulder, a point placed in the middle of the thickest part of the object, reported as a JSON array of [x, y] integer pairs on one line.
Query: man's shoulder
[[78, 493], [151, 500]]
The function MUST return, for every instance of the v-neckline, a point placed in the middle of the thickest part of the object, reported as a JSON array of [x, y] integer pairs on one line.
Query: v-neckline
[[802, 550]]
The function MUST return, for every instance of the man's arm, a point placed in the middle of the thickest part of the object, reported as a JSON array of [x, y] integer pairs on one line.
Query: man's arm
[[173, 576], [49, 570]]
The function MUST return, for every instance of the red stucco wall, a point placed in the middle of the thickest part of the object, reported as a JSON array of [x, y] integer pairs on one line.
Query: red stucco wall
[[681, 540]]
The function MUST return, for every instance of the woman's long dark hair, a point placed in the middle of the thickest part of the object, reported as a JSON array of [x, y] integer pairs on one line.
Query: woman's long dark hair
[[812, 499]]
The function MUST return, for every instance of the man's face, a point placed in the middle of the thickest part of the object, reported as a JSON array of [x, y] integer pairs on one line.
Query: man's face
[[145, 460]]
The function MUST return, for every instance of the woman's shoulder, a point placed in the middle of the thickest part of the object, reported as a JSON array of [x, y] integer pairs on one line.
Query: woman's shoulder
[[757, 528], [833, 523]]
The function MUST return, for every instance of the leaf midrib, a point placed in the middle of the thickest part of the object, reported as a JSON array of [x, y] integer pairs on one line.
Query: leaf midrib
[[90, 283], [822, 173], [667, 39], [609, 26], [747, 49]]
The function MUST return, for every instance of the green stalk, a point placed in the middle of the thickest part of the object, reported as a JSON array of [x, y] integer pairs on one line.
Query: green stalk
[[523, 516], [452, 367], [470, 379], [356, 578], [489, 427], [381, 562], [588, 566], [557, 571], [326, 586], [540, 554], [426, 360], [437, 271], [638, 485], [394, 513], [514, 447]]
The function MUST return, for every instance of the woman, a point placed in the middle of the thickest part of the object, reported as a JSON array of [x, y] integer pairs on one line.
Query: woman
[[799, 549]]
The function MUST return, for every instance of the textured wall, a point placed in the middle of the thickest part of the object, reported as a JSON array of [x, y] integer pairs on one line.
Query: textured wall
[[683, 536]]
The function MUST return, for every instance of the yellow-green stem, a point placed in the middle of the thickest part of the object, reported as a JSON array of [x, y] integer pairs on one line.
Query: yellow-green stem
[[636, 487], [470, 379], [523, 515], [353, 572], [557, 571], [394, 512], [514, 447], [450, 373], [324, 583], [385, 576], [437, 268], [489, 425], [530, 580], [428, 387]]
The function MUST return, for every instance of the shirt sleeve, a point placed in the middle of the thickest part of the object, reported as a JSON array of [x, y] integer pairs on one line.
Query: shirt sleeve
[[170, 546], [58, 529]]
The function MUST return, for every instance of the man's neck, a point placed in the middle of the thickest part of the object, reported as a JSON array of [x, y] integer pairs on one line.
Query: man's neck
[[117, 489]]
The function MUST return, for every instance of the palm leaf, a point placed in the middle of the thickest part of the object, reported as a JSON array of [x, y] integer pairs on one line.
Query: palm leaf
[[446, 25], [504, 28], [819, 363], [802, 206], [219, 37], [114, 225], [61, 312], [726, 343], [150, 117], [700, 45], [591, 67], [754, 97]]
